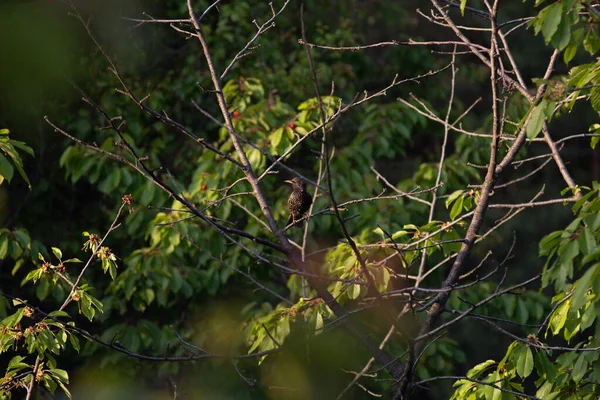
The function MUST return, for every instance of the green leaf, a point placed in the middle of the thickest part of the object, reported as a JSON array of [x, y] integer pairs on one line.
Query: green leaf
[[453, 197], [283, 329], [522, 312], [64, 388], [42, 289], [549, 242], [561, 38], [581, 287], [148, 192], [544, 367], [88, 311], [112, 181], [85, 306], [50, 384], [6, 169], [33, 276], [3, 247], [476, 371], [591, 43], [112, 269], [579, 369], [22, 146], [16, 364], [582, 201], [571, 50], [60, 374], [551, 21], [74, 342], [259, 338], [572, 325], [588, 317], [456, 208], [537, 120], [508, 354], [19, 165], [587, 243], [255, 158], [22, 237], [59, 313], [318, 323], [276, 138], [558, 319], [524, 361], [149, 295], [354, 292], [379, 232], [463, 3], [105, 264], [399, 234], [497, 393], [95, 302], [595, 98], [544, 391], [568, 251], [14, 319], [57, 252]]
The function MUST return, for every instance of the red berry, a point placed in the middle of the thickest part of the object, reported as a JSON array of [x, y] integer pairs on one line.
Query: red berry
[[236, 114], [204, 187], [292, 125]]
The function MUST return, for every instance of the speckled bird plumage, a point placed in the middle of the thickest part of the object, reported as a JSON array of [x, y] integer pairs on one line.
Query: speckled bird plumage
[[299, 201]]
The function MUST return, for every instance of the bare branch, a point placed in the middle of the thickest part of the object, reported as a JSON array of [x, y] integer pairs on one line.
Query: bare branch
[[261, 29]]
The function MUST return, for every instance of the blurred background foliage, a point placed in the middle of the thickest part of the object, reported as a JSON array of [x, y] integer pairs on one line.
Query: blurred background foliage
[[174, 275]]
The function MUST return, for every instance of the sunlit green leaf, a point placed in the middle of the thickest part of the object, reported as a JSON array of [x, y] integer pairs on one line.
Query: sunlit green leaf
[[524, 360], [57, 252], [537, 120]]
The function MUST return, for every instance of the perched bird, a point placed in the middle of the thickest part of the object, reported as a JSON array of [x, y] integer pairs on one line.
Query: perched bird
[[299, 201]]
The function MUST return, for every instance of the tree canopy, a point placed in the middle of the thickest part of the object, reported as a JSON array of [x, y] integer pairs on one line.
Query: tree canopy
[[449, 149]]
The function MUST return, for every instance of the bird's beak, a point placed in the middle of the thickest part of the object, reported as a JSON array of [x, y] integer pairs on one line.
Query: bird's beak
[[288, 181]]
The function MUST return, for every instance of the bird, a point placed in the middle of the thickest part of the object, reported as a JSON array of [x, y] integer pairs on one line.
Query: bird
[[299, 201]]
